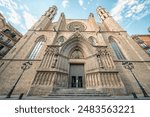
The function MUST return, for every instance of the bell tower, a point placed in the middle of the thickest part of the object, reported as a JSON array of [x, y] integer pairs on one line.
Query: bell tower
[[46, 19], [108, 21]]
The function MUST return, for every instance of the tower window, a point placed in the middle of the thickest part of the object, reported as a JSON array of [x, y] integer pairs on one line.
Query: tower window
[[52, 11], [116, 49], [36, 49]]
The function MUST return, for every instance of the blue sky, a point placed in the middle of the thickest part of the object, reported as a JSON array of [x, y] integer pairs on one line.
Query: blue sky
[[132, 15]]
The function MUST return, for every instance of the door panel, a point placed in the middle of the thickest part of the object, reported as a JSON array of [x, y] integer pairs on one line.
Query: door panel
[[73, 81], [80, 83], [76, 75]]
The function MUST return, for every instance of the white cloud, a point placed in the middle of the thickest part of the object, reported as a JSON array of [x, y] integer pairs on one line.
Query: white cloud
[[116, 11], [24, 7], [81, 2], [133, 9], [8, 4], [18, 14], [14, 17], [29, 19], [139, 8], [65, 3]]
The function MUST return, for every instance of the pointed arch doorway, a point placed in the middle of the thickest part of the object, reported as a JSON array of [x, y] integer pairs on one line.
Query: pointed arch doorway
[[77, 49], [76, 69]]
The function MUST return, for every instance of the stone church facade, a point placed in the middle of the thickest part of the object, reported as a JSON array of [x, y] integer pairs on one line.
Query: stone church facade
[[73, 56]]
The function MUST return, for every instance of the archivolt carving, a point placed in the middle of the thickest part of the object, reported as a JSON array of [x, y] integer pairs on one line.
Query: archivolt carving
[[76, 54]]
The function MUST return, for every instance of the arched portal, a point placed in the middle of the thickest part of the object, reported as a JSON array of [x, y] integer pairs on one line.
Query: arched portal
[[76, 49]]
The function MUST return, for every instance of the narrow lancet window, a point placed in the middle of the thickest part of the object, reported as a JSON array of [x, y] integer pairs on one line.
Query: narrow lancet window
[[36, 49], [116, 49]]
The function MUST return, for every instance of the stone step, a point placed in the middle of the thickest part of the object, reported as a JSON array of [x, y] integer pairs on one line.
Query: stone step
[[76, 91], [78, 94], [68, 97]]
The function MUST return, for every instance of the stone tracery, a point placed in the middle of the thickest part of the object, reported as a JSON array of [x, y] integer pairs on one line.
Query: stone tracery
[[76, 26]]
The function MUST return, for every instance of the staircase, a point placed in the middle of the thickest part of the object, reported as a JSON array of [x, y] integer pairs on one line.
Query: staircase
[[75, 93]]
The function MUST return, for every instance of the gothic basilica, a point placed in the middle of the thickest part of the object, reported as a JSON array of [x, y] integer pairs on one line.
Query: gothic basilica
[[75, 57]]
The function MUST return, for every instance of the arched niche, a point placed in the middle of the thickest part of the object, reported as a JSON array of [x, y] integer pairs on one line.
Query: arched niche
[[92, 40], [60, 40]]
